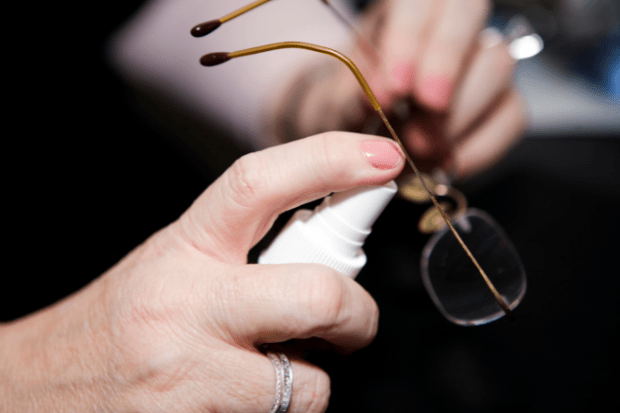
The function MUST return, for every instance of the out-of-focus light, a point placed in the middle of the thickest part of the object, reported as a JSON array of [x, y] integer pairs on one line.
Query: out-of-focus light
[[526, 46]]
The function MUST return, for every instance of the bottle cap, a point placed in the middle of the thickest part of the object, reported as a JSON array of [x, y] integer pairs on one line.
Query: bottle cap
[[334, 233]]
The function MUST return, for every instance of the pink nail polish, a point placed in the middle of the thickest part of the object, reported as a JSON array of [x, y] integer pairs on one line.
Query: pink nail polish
[[402, 77], [435, 92], [420, 143], [381, 154]]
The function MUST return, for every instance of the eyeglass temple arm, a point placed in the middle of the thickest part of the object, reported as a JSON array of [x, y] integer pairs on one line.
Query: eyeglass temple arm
[[205, 28], [213, 59]]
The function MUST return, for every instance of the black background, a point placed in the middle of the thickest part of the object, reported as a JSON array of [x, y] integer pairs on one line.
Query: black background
[[88, 178]]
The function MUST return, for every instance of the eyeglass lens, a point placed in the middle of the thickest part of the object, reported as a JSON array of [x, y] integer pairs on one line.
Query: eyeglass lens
[[454, 283]]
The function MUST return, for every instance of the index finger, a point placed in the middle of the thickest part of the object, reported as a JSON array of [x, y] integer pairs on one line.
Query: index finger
[[236, 211]]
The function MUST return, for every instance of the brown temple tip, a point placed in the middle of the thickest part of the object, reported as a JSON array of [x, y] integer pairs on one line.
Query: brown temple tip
[[213, 59], [205, 28]]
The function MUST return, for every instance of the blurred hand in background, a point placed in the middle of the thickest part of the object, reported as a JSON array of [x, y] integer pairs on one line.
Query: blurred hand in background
[[445, 81], [446, 84]]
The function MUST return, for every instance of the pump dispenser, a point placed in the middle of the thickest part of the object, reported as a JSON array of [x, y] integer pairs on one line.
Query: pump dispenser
[[334, 233]]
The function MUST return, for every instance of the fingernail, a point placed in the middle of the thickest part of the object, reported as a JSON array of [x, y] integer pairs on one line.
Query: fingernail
[[420, 144], [436, 91], [402, 77], [381, 154], [419, 141]]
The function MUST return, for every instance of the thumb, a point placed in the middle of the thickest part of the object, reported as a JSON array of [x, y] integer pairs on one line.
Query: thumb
[[238, 209]]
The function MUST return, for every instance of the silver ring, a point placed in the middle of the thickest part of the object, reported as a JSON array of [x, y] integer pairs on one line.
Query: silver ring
[[279, 378], [287, 389], [284, 383]]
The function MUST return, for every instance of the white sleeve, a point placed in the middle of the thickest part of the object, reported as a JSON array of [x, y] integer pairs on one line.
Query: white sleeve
[[154, 49]]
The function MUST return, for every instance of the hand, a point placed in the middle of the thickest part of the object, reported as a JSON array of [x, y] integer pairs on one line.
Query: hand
[[177, 324], [462, 111]]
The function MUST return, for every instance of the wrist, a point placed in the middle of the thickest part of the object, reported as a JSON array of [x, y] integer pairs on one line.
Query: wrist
[[60, 357]]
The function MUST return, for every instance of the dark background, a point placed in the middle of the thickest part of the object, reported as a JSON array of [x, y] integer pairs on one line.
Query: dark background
[[88, 177]]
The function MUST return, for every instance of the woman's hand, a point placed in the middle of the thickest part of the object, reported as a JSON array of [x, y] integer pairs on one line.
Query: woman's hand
[[176, 325], [446, 82]]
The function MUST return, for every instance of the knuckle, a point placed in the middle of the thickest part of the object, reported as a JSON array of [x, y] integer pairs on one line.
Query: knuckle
[[324, 297], [327, 150], [318, 391], [245, 179], [227, 295]]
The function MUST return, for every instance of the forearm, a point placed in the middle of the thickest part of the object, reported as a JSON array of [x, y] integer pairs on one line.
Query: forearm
[[61, 358]]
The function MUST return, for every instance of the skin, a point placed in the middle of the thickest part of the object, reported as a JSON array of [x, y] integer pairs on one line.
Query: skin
[[177, 324], [465, 114]]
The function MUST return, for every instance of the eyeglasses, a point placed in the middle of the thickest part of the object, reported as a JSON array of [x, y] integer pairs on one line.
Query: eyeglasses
[[450, 277], [452, 272]]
